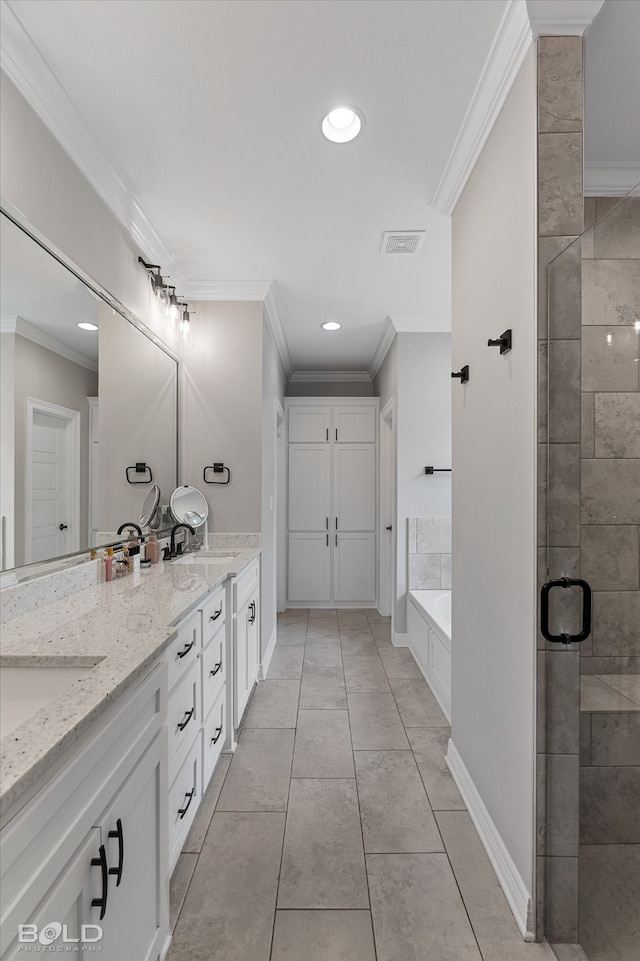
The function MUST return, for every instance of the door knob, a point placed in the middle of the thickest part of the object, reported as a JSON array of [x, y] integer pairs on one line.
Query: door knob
[[389, 528], [62, 527]]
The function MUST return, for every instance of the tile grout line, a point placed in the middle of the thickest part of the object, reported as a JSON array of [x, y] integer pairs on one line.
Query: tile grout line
[[286, 816], [444, 846], [364, 853]]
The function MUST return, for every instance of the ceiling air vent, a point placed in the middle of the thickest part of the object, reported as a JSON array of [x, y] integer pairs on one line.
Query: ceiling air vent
[[402, 241]]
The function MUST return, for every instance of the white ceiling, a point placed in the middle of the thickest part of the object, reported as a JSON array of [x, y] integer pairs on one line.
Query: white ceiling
[[211, 111]]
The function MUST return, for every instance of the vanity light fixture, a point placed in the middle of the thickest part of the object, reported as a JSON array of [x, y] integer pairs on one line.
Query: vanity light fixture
[[331, 325], [174, 305], [157, 284], [85, 325], [342, 124]]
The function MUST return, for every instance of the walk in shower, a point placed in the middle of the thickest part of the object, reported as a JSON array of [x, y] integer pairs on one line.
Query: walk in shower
[[589, 545]]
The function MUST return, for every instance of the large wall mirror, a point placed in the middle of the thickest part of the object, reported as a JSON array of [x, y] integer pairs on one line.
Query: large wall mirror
[[86, 396]]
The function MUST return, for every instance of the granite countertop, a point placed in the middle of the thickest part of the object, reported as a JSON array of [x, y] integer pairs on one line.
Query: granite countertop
[[118, 629]]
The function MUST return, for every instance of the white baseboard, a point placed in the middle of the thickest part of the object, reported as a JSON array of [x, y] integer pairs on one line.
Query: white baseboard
[[400, 640], [511, 882], [268, 654]]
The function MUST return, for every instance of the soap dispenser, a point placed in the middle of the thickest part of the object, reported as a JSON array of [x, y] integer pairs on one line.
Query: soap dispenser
[[153, 548]]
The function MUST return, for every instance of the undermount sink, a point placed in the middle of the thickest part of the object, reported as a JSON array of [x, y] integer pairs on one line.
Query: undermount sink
[[24, 690], [207, 557]]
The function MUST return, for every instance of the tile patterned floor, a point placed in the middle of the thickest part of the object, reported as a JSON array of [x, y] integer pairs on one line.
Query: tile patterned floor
[[336, 833]]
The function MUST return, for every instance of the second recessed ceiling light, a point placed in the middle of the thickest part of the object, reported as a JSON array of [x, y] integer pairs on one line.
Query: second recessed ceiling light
[[331, 325]]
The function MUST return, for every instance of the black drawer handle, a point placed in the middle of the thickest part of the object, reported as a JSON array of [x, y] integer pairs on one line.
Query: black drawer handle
[[252, 608], [183, 811], [565, 638], [101, 862], [216, 668], [120, 836], [187, 718], [214, 617], [216, 737], [186, 650]]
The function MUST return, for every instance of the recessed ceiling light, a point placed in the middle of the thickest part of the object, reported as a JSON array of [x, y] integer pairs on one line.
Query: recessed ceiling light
[[87, 326], [342, 124], [331, 325]]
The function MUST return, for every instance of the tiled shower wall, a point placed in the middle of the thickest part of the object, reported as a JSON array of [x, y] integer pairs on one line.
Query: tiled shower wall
[[429, 553], [610, 520], [560, 222]]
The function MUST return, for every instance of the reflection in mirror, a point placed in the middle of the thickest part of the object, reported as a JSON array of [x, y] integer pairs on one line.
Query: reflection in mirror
[[188, 506], [78, 406], [150, 515]]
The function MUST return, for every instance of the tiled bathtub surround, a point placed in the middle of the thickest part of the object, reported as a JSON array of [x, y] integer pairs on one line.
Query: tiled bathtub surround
[[429, 553]]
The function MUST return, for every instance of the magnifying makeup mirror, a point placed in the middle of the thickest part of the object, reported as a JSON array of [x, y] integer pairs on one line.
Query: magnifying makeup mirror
[[188, 506], [150, 515]]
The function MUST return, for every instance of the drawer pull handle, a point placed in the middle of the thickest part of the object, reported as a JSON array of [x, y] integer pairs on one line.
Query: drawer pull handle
[[101, 862], [187, 718], [120, 836], [215, 670], [216, 738], [214, 617], [183, 811], [252, 608], [186, 650]]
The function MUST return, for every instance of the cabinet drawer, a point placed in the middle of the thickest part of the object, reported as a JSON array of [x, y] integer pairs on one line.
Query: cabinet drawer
[[244, 585], [213, 615], [184, 798], [183, 650], [214, 671], [183, 715], [214, 737]]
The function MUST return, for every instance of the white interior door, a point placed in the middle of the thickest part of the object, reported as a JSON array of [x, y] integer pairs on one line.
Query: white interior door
[[52, 513]]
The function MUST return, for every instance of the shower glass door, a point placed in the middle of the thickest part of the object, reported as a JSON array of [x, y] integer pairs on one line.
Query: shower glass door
[[589, 733]]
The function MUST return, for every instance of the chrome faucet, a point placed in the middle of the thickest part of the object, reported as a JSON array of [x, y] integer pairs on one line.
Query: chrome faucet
[[172, 551]]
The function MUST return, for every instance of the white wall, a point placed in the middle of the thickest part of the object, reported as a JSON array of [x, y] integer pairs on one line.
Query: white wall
[[417, 373], [273, 387], [221, 411], [7, 440], [42, 182], [494, 474], [423, 430], [331, 389]]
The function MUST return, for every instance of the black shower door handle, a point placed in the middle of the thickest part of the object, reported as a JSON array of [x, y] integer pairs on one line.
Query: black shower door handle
[[565, 638]]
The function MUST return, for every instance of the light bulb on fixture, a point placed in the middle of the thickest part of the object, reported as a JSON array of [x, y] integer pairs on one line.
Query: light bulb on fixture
[[173, 305]]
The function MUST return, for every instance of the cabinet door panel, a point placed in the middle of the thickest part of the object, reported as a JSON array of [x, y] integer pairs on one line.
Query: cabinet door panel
[[354, 487], [309, 487], [309, 424], [354, 567], [136, 902], [240, 663], [309, 567], [354, 424]]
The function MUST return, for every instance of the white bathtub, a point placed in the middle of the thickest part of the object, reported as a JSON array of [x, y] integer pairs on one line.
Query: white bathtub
[[429, 630]]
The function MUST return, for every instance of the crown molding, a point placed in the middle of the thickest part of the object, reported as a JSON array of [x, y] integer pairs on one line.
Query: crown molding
[[511, 43], [562, 18], [388, 336], [421, 325], [24, 329], [226, 289], [24, 65], [610, 180], [273, 318], [330, 376]]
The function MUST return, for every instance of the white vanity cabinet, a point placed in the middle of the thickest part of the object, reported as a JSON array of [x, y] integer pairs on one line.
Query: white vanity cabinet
[[214, 681], [90, 848], [245, 593]]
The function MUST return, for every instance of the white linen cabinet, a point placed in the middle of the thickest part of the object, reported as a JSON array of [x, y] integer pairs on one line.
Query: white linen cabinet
[[332, 501]]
